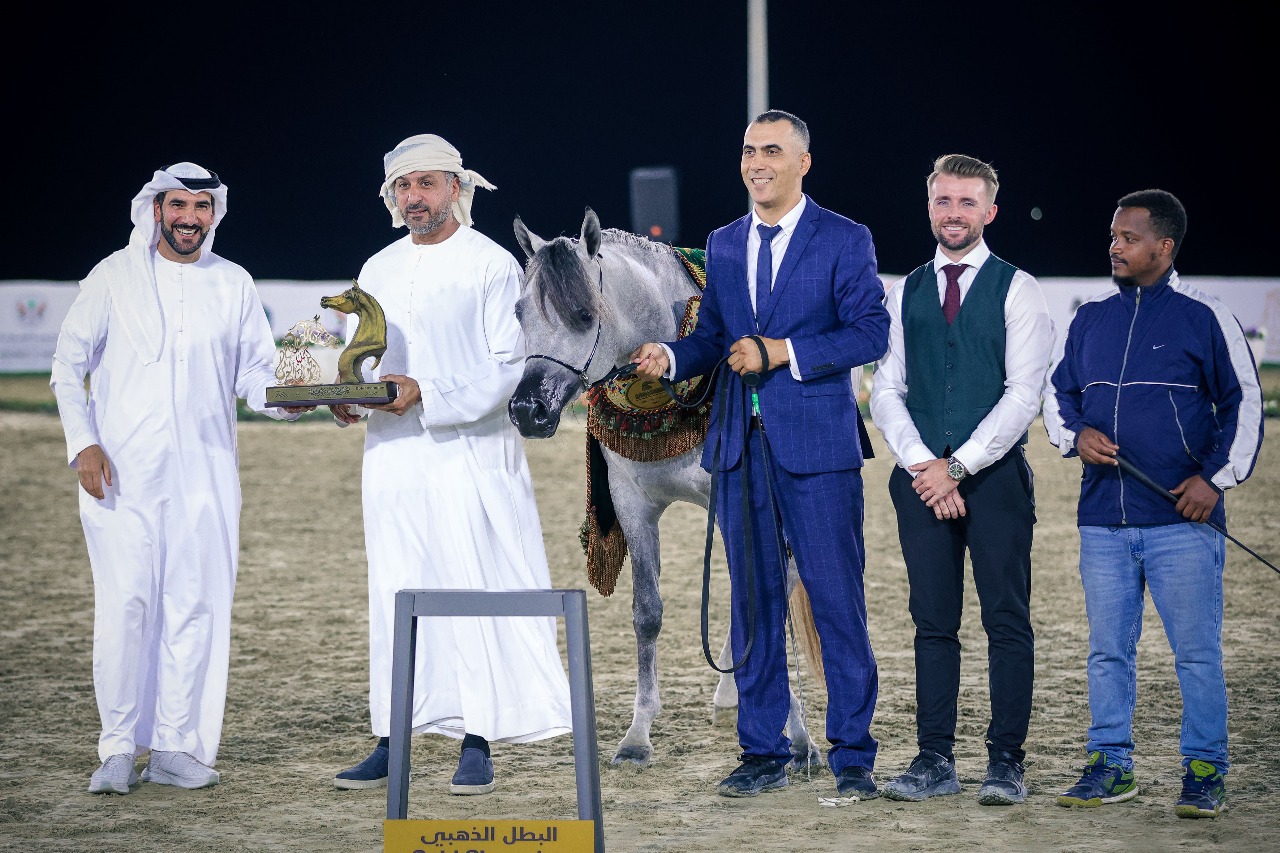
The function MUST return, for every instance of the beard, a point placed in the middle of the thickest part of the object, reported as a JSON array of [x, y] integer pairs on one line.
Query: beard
[[435, 218], [1128, 279], [180, 248], [956, 244]]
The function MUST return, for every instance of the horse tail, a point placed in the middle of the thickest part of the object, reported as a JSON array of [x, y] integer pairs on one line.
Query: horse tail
[[806, 631]]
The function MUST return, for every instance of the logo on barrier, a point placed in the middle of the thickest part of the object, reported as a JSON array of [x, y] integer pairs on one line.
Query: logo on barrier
[[31, 311]]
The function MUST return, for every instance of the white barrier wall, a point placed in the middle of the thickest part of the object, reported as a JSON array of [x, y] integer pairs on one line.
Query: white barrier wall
[[1254, 301], [31, 312]]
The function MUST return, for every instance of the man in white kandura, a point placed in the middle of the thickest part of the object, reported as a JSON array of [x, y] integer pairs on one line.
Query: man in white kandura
[[171, 334], [448, 499]]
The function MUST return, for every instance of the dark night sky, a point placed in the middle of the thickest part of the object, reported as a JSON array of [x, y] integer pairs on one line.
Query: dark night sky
[[1074, 104]]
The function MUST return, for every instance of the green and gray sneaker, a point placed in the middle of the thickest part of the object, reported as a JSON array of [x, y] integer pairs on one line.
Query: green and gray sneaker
[[1101, 783], [1204, 791]]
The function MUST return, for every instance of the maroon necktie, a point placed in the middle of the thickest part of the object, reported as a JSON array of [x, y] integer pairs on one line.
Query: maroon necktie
[[951, 299]]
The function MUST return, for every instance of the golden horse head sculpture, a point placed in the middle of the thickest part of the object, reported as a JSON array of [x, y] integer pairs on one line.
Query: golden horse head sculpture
[[370, 338]]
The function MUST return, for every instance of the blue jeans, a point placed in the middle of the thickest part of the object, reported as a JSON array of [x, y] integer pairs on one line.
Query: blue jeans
[[1182, 566]]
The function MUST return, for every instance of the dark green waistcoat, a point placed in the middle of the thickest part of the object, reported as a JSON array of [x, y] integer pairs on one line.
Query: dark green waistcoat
[[955, 374]]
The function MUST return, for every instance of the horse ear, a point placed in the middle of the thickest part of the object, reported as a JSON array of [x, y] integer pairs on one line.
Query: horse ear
[[590, 235], [355, 285], [528, 241]]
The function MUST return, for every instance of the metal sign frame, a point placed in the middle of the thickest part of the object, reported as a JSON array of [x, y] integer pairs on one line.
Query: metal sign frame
[[413, 604]]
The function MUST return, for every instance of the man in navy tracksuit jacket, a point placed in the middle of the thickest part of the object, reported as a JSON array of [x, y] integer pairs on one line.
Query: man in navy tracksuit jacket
[[1161, 374]]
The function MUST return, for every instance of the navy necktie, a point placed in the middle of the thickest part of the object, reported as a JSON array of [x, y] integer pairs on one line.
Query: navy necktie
[[951, 298], [764, 267]]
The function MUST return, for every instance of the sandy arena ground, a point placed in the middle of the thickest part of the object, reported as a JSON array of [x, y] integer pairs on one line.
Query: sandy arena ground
[[297, 713]]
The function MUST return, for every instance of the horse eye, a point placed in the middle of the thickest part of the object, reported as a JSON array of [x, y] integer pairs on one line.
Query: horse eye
[[584, 315]]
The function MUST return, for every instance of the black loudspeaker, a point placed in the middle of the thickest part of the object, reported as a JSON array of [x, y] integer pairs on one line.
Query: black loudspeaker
[[655, 208]]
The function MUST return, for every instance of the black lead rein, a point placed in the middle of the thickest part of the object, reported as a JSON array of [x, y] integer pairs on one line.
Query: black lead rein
[[715, 378]]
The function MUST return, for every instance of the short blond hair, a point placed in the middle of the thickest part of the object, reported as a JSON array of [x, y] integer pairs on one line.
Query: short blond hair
[[964, 166]]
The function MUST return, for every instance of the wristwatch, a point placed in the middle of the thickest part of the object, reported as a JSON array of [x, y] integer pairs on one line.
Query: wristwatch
[[955, 469]]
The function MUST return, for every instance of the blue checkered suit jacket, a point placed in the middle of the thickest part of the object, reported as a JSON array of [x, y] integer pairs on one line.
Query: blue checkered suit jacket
[[829, 301]]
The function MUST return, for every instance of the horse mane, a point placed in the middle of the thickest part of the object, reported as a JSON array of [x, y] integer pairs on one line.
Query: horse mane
[[562, 285], [634, 241]]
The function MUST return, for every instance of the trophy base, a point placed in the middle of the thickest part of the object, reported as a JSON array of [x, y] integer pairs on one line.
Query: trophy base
[[376, 393]]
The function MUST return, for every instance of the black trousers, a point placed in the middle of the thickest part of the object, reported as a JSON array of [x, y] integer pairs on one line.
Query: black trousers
[[996, 532]]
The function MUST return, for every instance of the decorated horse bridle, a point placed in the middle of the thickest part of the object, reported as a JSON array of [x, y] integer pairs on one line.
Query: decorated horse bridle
[[618, 371], [582, 374]]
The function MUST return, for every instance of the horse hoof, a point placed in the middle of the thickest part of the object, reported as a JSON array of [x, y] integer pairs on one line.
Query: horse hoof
[[637, 756], [806, 762], [721, 716]]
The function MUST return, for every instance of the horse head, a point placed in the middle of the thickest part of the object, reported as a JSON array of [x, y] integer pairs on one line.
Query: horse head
[[565, 320], [348, 302], [370, 338], [311, 332]]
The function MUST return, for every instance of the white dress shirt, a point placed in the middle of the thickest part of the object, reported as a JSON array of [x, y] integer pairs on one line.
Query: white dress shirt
[[1027, 349], [778, 248]]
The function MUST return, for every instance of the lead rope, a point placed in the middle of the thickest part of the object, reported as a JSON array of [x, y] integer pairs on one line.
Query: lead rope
[[750, 380], [804, 713], [780, 544], [714, 380]]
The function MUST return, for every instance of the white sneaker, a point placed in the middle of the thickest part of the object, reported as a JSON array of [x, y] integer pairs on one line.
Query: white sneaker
[[178, 768], [114, 776]]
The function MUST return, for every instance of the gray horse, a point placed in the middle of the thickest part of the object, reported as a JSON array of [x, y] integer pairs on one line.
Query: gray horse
[[587, 303]]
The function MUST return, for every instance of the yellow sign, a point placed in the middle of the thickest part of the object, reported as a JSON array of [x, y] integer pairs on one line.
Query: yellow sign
[[488, 836]]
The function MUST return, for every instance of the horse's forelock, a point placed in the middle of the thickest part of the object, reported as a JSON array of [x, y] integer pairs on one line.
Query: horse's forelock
[[562, 284]]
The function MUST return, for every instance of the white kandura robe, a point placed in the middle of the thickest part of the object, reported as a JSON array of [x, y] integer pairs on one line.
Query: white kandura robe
[[448, 498], [163, 543]]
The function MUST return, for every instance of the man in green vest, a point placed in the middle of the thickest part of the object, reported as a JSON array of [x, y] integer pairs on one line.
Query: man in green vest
[[970, 340]]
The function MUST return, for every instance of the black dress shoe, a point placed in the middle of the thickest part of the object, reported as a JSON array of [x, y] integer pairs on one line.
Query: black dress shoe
[[754, 775], [857, 782]]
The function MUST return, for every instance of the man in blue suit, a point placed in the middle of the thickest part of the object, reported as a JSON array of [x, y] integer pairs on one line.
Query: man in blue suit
[[793, 303]]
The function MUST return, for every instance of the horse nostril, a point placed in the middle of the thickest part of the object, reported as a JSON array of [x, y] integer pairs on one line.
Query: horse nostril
[[523, 410], [531, 416]]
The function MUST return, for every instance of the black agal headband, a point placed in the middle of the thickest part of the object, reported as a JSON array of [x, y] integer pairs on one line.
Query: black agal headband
[[197, 184]]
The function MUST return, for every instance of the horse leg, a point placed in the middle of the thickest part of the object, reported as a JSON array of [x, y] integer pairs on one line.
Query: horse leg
[[724, 702], [805, 754], [639, 519]]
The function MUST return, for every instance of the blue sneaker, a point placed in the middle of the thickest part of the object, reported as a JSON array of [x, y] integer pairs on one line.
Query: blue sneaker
[[1204, 791], [370, 773], [856, 783], [474, 774], [1102, 783], [1004, 785], [754, 775], [930, 775]]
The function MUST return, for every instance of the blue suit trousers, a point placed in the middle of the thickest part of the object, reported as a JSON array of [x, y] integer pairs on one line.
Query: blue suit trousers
[[821, 516]]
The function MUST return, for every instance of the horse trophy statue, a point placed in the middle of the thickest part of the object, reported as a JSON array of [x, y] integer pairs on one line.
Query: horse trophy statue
[[368, 342], [370, 339], [296, 365], [587, 303]]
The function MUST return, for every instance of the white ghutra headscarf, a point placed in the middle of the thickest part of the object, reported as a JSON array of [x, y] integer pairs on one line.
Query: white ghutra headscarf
[[427, 152], [130, 273]]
